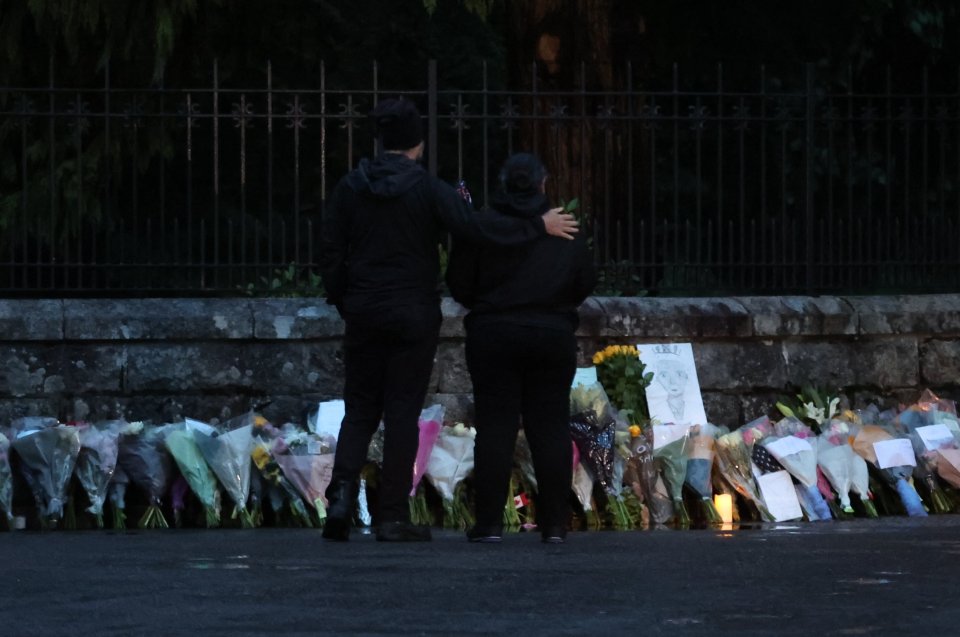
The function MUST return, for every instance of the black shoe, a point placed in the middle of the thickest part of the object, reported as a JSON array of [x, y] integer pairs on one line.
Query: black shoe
[[553, 535], [403, 532], [485, 534], [342, 497]]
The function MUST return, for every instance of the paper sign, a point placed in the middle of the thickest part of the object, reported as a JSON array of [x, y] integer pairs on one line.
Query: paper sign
[[329, 417], [665, 434], [674, 394], [202, 427], [585, 376], [787, 446], [935, 436], [779, 496], [897, 452]]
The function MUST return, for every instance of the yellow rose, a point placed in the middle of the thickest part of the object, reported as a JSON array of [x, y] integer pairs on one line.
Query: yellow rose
[[634, 431]]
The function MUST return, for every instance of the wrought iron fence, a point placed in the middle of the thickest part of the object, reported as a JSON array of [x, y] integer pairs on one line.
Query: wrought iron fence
[[160, 191]]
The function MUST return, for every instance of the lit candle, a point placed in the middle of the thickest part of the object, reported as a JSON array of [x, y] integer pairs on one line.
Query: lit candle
[[724, 504]]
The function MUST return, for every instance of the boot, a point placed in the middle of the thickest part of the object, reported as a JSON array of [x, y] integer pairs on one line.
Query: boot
[[342, 498]]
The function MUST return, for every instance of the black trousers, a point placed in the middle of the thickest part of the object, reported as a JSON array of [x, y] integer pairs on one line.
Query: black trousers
[[522, 372], [388, 359]]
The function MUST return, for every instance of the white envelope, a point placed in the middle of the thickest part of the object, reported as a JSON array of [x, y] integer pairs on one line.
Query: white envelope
[[935, 436], [897, 452], [779, 496]]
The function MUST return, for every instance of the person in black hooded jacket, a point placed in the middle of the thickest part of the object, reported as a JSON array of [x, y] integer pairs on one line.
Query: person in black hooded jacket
[[521, 352], [380, 266]]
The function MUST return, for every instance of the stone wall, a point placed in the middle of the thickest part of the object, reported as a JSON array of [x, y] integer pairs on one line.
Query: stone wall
[[209, 358]]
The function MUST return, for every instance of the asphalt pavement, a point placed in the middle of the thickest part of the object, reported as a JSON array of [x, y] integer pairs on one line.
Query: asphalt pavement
[[894, 576]]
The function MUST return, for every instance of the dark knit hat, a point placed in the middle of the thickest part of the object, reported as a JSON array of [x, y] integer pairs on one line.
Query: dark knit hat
[[521, 174], [397, 124]]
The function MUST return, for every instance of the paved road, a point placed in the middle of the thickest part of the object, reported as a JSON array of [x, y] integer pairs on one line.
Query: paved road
[[887, 577]]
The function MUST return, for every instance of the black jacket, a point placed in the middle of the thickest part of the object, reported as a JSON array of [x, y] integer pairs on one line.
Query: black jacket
[[382, 226], [539, 284]]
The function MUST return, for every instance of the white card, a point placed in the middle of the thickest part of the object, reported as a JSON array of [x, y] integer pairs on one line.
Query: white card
[[665, 434], [897, 452], [779, 496], [585, 376], [787, 446], [329, 418], [935, 436]]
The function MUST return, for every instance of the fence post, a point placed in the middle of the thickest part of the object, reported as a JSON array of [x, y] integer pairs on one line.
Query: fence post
[[808, 179], [432, 117]]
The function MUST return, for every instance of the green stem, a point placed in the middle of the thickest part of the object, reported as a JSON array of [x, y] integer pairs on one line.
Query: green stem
[[710, 512], [680, 511], [869, 508]]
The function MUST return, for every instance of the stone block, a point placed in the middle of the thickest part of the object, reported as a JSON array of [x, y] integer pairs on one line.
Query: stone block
[[453, 313], [31, 320], [11, 409], [31, 370], [940, 362], [800, 315], [179, 368], [94, 368], [742, 365], [457, 407], [884, 363], [674, 319], [295, 319], [937, 314], [157, 319], [722, 409]]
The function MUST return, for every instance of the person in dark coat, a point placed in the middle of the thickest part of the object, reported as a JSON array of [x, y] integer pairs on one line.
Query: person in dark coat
[[381, 230], [521, 352]]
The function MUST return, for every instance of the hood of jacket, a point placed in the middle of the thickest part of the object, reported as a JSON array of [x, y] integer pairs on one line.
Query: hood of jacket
[[524, 205], [389, 175]]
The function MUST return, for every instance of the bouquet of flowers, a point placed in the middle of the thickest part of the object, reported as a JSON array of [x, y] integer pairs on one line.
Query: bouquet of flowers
[[897, 476], [96, 464], [183, 447], [227, 453], [451, 460], [845, 470], [144, 458], [306, 461], [48, 452], [930, 425], [593, 425], [641, 475], [279, 488], [736, 466], [625, 379], [793, 449], [6, 479], [430, 423], [671, 460], [703, 439], [582, 485], [815, 407]]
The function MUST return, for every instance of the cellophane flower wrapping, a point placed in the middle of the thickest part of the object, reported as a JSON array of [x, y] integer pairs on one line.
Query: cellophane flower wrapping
[[733, 456], [929, 411], [280, 492], [593, 430], [897, 477], [147, 462], [430, 423], [183, 447], [703, 440], [96, 464], [523, 458], [227, 451], [801, 462], [117, 494], [6, 479], [306, 461], [671, 460], [451, 461], [49, 455], [642, 476], [582, 486]]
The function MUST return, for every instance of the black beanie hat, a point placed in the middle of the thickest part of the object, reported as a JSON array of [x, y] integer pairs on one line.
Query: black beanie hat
[[521, 174], [397, 124]]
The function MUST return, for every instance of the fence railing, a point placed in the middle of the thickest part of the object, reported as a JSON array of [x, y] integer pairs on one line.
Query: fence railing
[[212, 190]]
